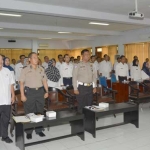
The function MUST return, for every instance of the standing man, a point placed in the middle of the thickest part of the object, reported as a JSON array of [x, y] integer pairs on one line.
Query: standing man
[[105, 67], [122, 71], [33, 81], [84, 81], [7, 96], [78, 58], [45, 63], [116, 63], [131, 64], [19, 67], [66, 71], [13, 63], [60, 62]]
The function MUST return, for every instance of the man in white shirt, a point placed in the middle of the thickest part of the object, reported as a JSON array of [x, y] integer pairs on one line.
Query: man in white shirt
[[45, 63], [60, 62], [122, 71], [105, 67], [116, 63], [66, 71], [19, 67], [7, 96], [95, 63], [13, 63]]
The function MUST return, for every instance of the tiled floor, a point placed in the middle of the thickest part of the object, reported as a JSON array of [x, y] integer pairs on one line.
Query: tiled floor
[[125, 137]]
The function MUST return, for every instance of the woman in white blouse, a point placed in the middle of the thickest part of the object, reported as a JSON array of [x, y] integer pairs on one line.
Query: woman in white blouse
[[136, 71]]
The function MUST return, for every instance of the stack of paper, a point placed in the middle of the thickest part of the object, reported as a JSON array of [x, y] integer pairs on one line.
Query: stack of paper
[[103, 105], [51, 114], [35, 118], [22, 119]]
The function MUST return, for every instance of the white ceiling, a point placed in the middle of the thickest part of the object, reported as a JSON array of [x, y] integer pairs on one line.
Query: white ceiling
[[110, 6], [44, 18]]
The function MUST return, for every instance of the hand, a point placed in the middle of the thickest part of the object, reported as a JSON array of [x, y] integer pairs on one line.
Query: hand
[[23, 98], [94, 90], [46, 95], [76, 92], [12, 99]]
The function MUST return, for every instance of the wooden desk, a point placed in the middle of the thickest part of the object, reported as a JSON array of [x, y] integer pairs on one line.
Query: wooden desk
[[122, 92], [130, 111], [63, 117]]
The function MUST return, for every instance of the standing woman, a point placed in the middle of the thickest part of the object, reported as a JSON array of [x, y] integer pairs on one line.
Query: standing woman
[[7, 65], [136, 71], [52, 74]]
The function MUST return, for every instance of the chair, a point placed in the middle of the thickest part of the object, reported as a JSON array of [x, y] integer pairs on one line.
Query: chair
[[113, 78], [135, 95]]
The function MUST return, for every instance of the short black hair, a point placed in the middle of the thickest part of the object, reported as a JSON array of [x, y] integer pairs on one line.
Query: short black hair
[[105, 55], [12, 59], [30, 54], [66, 55], [45, 57], [83, 51], [92, 56], [122, 56], [53, 59], [78, 56], [21, 56], [118, 58], [134, 57], [59, 55]]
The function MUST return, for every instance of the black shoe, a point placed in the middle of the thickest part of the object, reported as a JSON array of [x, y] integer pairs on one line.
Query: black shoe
[[41, 134], [7, 140], [29, 136]]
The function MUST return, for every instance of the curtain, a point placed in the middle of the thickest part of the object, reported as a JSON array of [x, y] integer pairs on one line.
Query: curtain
[[112, 51], [141, 50]]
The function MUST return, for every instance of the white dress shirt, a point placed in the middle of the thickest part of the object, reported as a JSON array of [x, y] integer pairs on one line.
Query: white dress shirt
[[65, 71], [45, 65], [13, 66], [95, 64], [6, 80], [115, 64], [18, 69], [58, 64], [105, 68], [122, 70], [136, 73]]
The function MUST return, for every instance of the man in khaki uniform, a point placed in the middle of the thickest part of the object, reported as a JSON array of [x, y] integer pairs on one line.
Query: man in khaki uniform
[[84, 81], [33, 81]]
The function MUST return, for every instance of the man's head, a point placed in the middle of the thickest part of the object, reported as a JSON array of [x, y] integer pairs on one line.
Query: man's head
[[106, 58], [147, 60], [118, 59], [78, 58], [46, 59], [22, 57], [13, 61], [85, 55], [66, 58], [72, 59], [33, 58], [98, 59], [60, 58], [1, 61], [135, 57], [123, 59], [93, 59]]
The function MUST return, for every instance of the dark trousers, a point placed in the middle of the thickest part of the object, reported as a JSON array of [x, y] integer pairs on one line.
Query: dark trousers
[[4, 120], [67, 81], [121, 79], [34, 104], [85, 97]]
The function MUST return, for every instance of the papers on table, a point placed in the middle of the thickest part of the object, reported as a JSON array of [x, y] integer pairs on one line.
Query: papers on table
[[51, 114], [35, 118], [21, 119]]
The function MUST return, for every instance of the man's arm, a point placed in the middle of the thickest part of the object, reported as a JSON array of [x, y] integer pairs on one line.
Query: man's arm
[[23, 97], [12, 94], [46, 88]]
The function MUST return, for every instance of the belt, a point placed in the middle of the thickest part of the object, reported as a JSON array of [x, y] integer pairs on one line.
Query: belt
[[38, 88], [123, 76], [85, 84]]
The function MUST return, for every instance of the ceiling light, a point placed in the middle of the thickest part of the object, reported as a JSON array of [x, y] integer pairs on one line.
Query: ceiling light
[[1, 28], [45, 38], [98, 23], [64, 32], [11, 15]]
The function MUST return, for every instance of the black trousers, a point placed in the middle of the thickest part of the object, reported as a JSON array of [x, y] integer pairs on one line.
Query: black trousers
[[85, 97], [34, 104], [67, 81], [121, 79], [4, 120]]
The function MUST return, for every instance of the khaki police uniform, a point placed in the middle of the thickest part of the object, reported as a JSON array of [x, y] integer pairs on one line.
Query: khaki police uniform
[[34, 90], [84, 80]]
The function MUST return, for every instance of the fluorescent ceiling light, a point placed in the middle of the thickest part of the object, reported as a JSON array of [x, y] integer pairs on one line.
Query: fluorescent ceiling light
[[99, 23], [11, 15], [64, 32], [1, 28], [45, 38]]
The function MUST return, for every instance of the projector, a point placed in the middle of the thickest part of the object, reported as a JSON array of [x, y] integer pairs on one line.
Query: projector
[[136, 15]]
